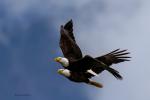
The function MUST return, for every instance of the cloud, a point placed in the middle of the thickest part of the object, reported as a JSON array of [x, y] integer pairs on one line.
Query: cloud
[[123, 24], [100, 26], [30, 27]]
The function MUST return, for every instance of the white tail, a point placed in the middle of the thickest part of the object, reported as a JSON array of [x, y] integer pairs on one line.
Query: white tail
[[99, 85]]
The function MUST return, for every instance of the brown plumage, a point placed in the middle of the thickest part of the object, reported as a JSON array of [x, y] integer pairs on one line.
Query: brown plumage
[[68, 44], [78, 65]]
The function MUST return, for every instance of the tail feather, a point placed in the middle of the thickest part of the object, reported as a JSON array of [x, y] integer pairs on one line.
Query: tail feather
[[115, 73], [96, 84]]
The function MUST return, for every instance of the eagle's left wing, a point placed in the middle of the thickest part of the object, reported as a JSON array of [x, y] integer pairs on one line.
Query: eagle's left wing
[[68, 44]]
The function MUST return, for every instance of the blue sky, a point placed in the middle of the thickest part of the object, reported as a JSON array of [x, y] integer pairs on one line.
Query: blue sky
[[29, 37]]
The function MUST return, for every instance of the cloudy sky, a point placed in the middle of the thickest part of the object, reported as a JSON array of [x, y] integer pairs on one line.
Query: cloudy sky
[[29, 36]]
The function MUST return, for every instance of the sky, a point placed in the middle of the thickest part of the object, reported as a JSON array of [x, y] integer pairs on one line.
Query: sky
[[29, 37]]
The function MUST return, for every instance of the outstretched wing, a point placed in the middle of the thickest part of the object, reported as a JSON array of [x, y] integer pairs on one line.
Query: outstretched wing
[[68, 44], [114, 57], [89, 63]]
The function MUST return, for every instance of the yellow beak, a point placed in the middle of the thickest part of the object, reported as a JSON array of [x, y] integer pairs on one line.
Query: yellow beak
[[60, 71], [57, 59]]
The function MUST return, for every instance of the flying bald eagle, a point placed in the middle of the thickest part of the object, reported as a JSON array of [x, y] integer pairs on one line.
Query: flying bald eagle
[[79, 68]]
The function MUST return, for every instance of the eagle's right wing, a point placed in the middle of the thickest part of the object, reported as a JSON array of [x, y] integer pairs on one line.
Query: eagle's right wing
[[68, 44], [114, 57]]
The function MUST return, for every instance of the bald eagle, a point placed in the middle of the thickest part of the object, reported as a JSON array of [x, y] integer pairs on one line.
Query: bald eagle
[[79, 68]]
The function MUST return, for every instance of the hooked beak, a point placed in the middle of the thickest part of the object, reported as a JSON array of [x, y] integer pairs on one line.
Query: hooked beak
[[57, 59], [59, 71]]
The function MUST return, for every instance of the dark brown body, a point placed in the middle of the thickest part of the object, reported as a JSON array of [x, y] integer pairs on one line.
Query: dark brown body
[[78, 77]]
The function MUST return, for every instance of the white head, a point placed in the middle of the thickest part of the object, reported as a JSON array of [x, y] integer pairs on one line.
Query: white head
[[63, 61], [64, 72]]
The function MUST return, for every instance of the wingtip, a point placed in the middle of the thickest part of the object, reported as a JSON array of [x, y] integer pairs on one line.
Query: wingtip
[[70, 20], [69, 24]]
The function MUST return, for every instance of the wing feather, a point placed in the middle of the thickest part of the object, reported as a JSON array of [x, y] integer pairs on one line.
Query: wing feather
[[114, 57], [68, 44]]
